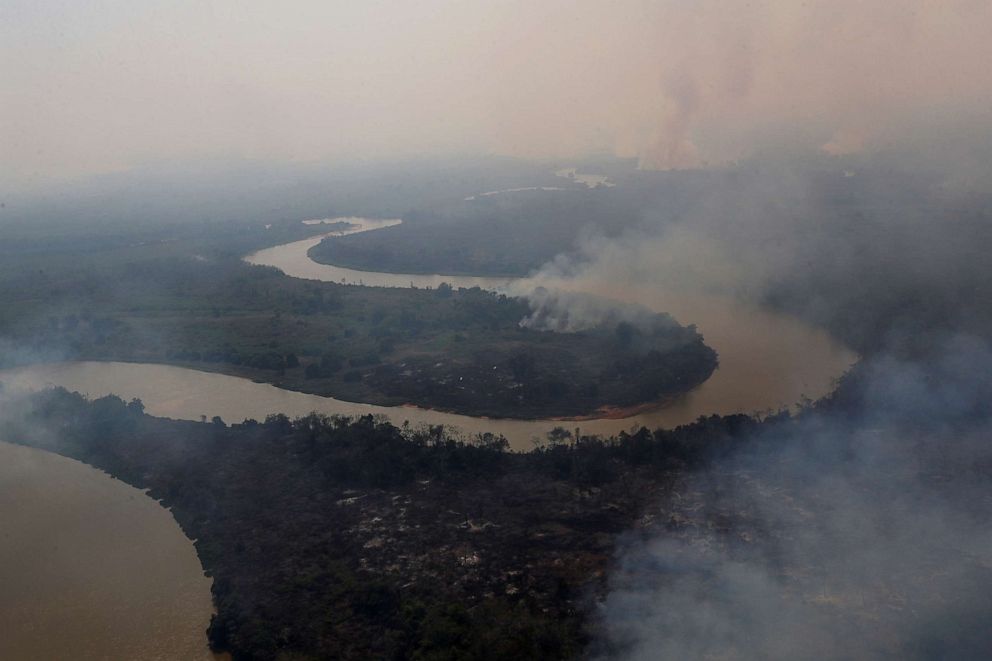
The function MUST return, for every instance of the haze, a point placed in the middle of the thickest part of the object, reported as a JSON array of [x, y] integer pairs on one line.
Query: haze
[[105, 86]]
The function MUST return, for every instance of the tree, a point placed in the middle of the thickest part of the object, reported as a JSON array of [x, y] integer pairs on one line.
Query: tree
[[625, 334], [444, 290], [522, 366]]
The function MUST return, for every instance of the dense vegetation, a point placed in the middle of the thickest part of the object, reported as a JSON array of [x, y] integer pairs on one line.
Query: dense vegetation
[[508, 234], [515, 233], [188, 300], [337, 538]]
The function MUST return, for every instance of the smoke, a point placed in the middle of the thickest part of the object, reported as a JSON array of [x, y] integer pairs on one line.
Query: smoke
[[843, 142], [673, 146], [843, 76], [871, 249], [674, 257], [832, 538], [14, 353], [571, 312], [107, 87], [860, 530]]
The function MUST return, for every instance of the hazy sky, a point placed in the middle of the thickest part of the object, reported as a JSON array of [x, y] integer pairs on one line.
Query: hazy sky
[[104, 85]]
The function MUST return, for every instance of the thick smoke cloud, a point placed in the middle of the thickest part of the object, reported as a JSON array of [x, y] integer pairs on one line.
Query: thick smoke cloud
[[831, 539], [570, 312], [99, 87], [845, 76], [860, 531], [869, 247]]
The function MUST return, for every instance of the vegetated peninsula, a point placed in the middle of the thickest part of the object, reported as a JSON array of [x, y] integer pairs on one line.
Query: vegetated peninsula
[[464, 350]]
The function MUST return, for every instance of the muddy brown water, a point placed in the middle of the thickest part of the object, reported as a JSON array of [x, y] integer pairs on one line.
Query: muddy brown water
[[91, 568]]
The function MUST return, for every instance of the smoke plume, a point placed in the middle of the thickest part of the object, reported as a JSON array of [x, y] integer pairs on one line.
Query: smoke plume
[[107, 87], [836, 538]]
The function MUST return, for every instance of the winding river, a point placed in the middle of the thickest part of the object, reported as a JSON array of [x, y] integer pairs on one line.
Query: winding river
[[767, 361], [92, 568]]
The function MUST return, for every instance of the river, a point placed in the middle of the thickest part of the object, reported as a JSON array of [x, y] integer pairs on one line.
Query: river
[[92, 568]]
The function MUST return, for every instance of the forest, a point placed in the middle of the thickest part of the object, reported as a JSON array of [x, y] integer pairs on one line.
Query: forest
[[514, 233]]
